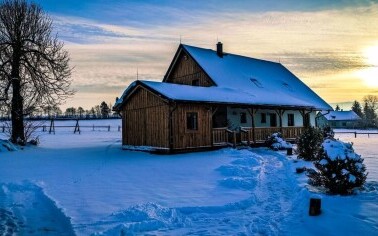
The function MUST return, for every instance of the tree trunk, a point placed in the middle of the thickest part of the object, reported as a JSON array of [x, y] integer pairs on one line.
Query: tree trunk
[[18, 135]]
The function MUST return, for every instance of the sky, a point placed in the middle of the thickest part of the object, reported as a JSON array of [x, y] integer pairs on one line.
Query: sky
[[332, 46]]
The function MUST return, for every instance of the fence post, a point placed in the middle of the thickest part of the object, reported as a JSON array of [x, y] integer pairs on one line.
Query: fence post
[[234, 137], [108, 128], [77, 127], [355, 134], [248, 139], [119, 128], [52, 126]]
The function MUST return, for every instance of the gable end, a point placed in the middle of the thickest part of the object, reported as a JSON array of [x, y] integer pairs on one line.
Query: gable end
[[185, 70]]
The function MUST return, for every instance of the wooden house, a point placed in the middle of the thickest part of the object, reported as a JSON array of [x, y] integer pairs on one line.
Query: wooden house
[[339, 119], [210, 98]]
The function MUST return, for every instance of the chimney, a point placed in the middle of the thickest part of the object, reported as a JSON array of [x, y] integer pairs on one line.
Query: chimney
[[220, 49]]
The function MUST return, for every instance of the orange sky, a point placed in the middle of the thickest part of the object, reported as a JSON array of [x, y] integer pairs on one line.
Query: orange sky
[[334, 51]]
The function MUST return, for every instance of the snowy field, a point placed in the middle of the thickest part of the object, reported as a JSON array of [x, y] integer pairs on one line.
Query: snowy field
[[85, 184]]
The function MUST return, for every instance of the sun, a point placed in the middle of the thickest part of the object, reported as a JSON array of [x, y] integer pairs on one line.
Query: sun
[[371, 55], [369, 75]]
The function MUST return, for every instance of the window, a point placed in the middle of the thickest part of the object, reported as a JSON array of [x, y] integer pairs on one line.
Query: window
[[195, 82], [243, 117], [344, 124], [192, 121], [286, 85], [290, 119], [263, 118], [256, 82]]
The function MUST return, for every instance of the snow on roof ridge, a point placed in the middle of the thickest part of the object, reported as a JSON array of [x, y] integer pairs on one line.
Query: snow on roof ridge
[[233, 54]]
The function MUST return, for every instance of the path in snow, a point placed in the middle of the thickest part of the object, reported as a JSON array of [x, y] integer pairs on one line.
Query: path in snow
[[26, 210], [266, 174], [275, 194]]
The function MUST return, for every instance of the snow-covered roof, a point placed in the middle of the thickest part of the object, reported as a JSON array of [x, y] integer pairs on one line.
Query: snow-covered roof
[[241, 80], [341, 115], [214, 94]]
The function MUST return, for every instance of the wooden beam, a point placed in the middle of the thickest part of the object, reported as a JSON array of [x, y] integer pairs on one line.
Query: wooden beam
[[280, 112], [304, 114], [172, 108], [252, 111], [214, 110]]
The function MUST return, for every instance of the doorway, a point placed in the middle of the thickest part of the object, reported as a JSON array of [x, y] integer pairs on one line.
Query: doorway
[[273, 120]]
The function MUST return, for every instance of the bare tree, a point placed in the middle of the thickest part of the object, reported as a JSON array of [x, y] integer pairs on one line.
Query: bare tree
[[34, 68]]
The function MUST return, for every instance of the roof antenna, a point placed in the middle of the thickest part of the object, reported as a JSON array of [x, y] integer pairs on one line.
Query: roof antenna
[[137, 74], [180, 38]]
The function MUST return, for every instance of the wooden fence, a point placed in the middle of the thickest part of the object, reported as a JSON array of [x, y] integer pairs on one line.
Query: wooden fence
[[260, 134], [221, 136], [355, 133], [76, 128]]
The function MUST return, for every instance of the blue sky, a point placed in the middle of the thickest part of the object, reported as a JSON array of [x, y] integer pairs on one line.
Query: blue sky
[[325, 43]]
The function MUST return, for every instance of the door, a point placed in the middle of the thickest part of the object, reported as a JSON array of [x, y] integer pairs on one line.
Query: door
[[306, 121], [273, 120]]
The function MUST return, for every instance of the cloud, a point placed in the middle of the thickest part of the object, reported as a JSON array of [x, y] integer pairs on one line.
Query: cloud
[[321, 47]]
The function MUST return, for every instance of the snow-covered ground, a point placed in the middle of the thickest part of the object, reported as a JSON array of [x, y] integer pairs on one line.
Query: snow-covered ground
[[85, 184]]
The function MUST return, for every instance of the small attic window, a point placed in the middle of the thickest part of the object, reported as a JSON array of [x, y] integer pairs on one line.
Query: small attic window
[[286, 85], [195, 82], [185, 57], [256, 82], [333, 117]]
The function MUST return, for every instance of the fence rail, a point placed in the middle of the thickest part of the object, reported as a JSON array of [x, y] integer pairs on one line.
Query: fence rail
[[355, 133], [51, 128], [260, 134], [220, 136]]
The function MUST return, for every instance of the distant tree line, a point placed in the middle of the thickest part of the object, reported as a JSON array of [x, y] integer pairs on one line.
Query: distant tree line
[[368, 111], [102, 111]]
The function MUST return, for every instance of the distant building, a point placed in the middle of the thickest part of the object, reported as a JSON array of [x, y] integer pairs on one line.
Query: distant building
[[210, 98], [339, 119]]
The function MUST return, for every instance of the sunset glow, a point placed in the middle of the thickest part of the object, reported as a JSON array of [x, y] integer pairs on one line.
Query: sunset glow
[[371, 55], [369, 74], [332, 47]]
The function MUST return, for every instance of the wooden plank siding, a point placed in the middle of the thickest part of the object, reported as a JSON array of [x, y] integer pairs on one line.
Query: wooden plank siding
[[145, 120], [186, 70], [183, 138]]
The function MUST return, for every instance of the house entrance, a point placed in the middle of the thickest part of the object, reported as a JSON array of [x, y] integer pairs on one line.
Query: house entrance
[[273, 120]]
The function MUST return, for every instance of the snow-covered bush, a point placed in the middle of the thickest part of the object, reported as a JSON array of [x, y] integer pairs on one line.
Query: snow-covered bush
[[277, 142], [339, 168], [309, 143]]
